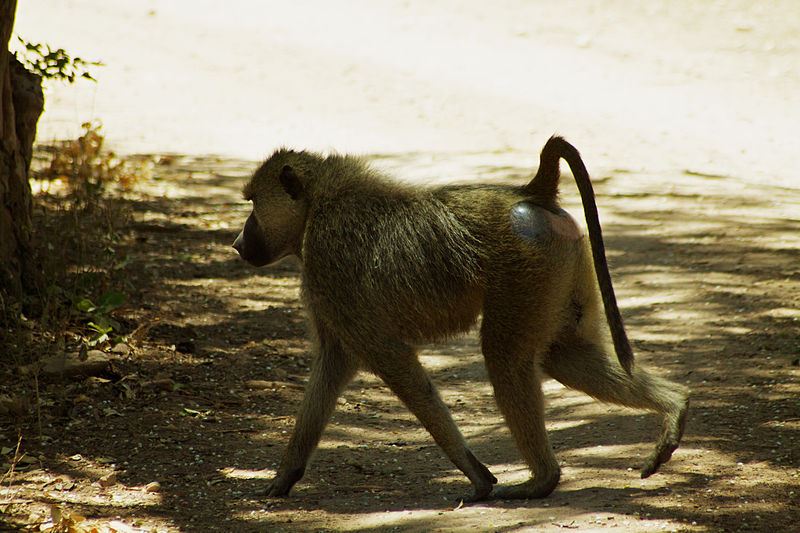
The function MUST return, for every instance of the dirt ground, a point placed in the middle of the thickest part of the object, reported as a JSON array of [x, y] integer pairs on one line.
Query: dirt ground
[[686, 113], [711, 86], [708, 282]]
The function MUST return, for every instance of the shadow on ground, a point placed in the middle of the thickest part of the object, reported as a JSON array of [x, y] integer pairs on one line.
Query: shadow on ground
[[709, 286]]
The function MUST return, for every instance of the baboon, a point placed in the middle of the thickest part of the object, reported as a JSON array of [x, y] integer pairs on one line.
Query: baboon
[[386, 267]]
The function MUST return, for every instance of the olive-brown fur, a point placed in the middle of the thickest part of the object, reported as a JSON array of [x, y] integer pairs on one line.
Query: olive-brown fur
[[387, 266]]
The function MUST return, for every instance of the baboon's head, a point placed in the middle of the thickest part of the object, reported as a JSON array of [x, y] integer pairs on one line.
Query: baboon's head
[[274, 228]]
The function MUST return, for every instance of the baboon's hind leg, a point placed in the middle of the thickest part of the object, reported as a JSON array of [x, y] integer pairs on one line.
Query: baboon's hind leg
[[585, 366], [518, 393]]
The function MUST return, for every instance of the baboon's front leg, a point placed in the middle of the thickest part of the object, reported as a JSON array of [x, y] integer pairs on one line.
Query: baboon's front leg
[[331, 370]]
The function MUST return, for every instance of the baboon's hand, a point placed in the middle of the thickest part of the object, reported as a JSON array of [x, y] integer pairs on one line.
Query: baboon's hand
[[477, 496]]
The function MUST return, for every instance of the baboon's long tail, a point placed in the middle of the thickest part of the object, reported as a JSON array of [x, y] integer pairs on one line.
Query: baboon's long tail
[[544, 186]]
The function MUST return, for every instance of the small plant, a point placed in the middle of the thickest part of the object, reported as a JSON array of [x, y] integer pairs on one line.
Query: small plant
[[82, 237], [54, 64], [87, 169], [97, 315]]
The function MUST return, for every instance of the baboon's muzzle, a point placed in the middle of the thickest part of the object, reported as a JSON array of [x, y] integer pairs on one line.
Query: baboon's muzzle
[[251, 245]]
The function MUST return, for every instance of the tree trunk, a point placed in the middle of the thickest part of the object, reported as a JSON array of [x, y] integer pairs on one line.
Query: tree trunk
[[21, 104]]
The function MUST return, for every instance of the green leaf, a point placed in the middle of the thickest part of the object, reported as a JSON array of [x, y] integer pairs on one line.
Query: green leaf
[[101, 326], [111, 300], [84, 305], [97, 338]]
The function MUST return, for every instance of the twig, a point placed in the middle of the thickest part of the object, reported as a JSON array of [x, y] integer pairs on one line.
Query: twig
[[249, 430], [17, 458]]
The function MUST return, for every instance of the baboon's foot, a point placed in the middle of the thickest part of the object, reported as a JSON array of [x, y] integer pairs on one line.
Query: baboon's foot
[[671, 434], [282, 484], [536, 487], [277, 488]]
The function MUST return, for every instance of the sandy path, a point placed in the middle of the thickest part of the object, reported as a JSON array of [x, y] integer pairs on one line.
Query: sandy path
[[709, 87], [706, 269], [708, 301]]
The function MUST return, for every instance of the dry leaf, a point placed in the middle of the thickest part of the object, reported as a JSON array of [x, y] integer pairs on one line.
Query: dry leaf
[[119, 526]]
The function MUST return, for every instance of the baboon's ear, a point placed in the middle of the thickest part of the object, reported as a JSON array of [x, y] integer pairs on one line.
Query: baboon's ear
[[290, 182]]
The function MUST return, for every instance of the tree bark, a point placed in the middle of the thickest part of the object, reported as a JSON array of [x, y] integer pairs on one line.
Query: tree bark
[[21, 104]]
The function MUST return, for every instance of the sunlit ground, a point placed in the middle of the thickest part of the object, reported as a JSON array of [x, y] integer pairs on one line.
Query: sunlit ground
[[706, 87], [687, 116]]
